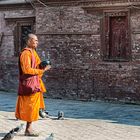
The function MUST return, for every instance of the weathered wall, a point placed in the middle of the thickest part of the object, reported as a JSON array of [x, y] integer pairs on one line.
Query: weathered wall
[[8, 62], [73, 38]]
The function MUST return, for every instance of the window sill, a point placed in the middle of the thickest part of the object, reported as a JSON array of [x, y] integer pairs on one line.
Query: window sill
[[116, 60]]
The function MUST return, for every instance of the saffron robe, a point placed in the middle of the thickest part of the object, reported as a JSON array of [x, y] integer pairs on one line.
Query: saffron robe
[[27, 107]]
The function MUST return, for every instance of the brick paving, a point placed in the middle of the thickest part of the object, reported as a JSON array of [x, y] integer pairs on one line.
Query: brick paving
[[72, 128]]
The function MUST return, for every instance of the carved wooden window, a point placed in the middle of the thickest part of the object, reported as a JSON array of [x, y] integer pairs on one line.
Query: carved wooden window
[[21, 31], [25, 30], [116, 38]]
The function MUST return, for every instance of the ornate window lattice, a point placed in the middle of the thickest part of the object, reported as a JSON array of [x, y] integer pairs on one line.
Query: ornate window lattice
[[22, 29], [25, 30]]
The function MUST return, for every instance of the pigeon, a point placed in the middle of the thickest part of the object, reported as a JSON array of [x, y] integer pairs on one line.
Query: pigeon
[[18, 128], [46, 112], [10, 135], [42, 113], [51, 137], [43, 64], [60, 115]]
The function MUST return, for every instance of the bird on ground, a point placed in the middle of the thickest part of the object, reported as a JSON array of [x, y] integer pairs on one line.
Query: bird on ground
[[10, 135]]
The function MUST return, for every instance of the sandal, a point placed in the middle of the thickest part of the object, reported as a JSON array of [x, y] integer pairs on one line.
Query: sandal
[[31, 134]]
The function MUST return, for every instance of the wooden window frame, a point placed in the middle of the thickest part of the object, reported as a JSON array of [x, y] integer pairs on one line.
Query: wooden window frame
[[17, 33], [105, 51]]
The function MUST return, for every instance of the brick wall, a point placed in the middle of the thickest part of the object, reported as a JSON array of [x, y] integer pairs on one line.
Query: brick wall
[[8, 62], [73, 38], [78, 71]]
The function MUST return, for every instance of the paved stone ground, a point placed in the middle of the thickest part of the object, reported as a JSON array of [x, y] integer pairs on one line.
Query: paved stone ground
[[83, 120]]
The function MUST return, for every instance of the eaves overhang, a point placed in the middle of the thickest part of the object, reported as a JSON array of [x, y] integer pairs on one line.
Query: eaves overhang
[[3, 2], [88, 3]]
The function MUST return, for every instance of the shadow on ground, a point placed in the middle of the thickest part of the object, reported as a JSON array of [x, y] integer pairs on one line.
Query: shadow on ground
[[115, 113]]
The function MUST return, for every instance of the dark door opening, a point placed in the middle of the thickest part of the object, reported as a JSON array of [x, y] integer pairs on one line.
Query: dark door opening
[[25, 30]]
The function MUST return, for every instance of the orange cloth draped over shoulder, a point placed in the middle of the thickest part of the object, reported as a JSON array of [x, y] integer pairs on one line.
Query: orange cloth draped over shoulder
[[27, 107]]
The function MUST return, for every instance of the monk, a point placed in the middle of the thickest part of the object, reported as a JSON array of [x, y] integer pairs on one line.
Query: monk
[[28, 105]]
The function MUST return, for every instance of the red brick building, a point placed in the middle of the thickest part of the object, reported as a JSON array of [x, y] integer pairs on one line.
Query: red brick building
[[94, 46]]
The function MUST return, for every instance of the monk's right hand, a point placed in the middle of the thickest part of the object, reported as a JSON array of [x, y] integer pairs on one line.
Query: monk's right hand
[[47, 67]]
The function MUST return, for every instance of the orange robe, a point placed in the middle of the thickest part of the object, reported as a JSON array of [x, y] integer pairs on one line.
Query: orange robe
[[27, 107]]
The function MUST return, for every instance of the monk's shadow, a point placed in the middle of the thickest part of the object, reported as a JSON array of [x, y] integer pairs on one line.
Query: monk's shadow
[[12, 119], [52, 118], [21, 135]]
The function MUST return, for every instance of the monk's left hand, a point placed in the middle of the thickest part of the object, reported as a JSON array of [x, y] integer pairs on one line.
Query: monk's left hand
[[47, 67]]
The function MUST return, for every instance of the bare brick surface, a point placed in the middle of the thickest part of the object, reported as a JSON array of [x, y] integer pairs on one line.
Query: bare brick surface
[[73, 38]]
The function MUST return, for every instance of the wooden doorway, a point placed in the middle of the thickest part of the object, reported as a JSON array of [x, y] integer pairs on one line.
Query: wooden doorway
[[116, 37]]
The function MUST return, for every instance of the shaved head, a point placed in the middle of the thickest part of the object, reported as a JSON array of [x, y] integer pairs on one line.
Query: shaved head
[[31, 36], [32, 41]]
